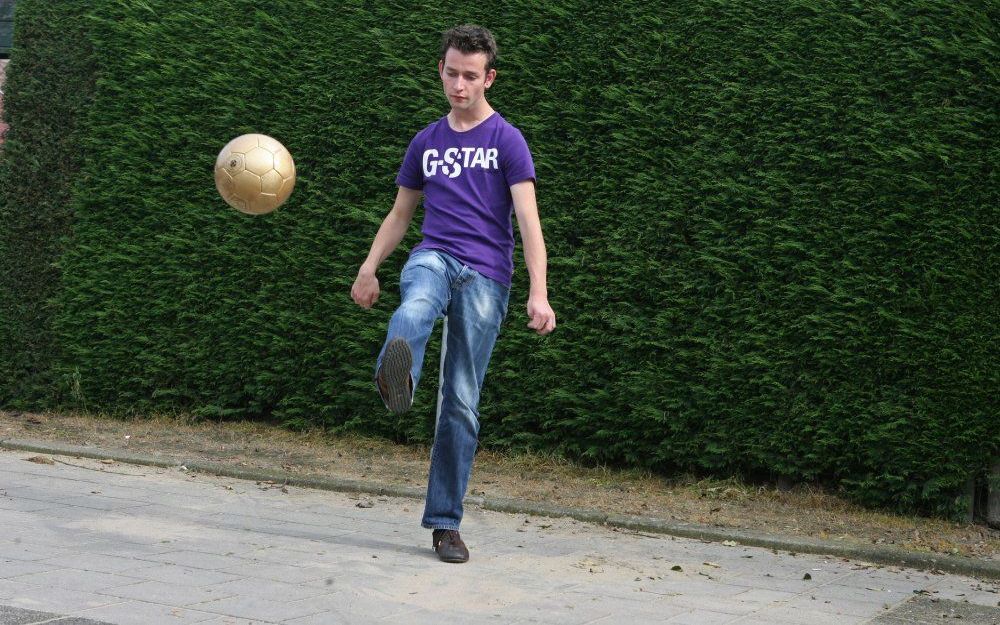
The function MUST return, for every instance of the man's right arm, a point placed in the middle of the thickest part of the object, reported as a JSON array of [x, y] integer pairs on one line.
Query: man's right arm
[[365, 291]]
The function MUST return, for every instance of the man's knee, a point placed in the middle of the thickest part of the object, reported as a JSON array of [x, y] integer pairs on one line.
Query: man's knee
[[418, 308], [461, 396], [457, 417]]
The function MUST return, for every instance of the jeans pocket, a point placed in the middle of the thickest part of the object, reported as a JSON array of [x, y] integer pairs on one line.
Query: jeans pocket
[[501, 295], [422, 258]]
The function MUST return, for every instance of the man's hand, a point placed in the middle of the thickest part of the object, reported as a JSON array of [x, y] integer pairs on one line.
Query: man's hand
[[365, 290], [542, 317]]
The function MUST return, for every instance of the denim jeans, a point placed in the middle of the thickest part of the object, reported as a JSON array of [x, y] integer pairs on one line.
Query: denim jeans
[[433, 285]]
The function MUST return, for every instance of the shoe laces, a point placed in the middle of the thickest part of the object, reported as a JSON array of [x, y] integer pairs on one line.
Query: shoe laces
[[441, 536]]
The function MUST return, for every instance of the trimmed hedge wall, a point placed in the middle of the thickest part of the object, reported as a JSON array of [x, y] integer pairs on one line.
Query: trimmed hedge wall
[[772, 229], [50, 82]]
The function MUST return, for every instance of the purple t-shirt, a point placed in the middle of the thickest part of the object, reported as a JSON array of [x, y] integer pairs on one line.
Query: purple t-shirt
[[466, 179]]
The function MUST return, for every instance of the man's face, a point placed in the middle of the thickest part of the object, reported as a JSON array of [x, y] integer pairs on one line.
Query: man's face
[[465, 78]]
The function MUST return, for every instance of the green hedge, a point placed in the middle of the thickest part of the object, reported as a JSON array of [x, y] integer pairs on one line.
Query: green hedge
[[772, 229], [50, 83]]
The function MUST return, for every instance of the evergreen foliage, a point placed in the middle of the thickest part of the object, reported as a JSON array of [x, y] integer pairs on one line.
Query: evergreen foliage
[[50, 81], [772, 228]]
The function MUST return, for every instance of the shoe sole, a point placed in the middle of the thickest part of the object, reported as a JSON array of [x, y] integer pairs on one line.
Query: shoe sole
[[396, 365], [453, 560]]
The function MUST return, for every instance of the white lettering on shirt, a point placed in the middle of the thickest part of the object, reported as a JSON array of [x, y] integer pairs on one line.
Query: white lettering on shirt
[[452, 169], [465, 153], [430, 166], [456, 160]]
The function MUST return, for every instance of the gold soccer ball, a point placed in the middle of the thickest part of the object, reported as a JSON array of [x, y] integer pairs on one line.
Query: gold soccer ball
[[254, 174]]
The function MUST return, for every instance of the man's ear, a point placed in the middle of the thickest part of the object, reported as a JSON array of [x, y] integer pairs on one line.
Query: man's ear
[[440, 66], [490, 77]]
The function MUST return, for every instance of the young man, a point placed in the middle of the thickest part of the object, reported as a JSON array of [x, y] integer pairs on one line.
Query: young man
[[473, 170]]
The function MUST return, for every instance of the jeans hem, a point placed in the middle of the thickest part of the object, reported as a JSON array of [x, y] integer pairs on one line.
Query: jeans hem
[[438, 526]]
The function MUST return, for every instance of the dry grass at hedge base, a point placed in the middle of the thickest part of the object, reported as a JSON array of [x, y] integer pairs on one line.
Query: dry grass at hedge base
[[800, 511]]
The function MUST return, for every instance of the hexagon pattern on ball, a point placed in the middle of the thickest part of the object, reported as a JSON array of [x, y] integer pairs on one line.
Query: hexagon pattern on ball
[[254, 174]]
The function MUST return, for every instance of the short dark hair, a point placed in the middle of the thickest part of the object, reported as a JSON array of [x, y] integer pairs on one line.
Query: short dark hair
[[469, 39]]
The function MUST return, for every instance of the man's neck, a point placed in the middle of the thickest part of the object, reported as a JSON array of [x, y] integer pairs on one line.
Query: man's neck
[[467, 120]]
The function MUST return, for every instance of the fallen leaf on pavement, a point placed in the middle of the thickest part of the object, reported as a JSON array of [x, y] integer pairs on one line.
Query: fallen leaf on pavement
[[41, 460]]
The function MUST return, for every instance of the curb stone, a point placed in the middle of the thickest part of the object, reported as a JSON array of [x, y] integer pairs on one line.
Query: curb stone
[[987, 569]]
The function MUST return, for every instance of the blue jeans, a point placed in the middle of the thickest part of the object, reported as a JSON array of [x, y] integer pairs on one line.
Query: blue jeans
[[434, 285]]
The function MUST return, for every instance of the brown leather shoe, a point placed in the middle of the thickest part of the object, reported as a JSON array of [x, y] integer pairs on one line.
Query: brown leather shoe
[[393, 377], [449, 546]]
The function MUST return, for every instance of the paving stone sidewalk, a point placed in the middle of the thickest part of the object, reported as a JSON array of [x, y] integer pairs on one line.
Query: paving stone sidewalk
[[84, 542]]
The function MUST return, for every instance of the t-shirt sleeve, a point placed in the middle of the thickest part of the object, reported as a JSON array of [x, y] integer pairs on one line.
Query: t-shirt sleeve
[[411, 173], [515, 158]]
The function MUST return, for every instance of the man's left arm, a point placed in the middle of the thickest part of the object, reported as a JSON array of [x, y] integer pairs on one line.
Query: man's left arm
[[542, 319]]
